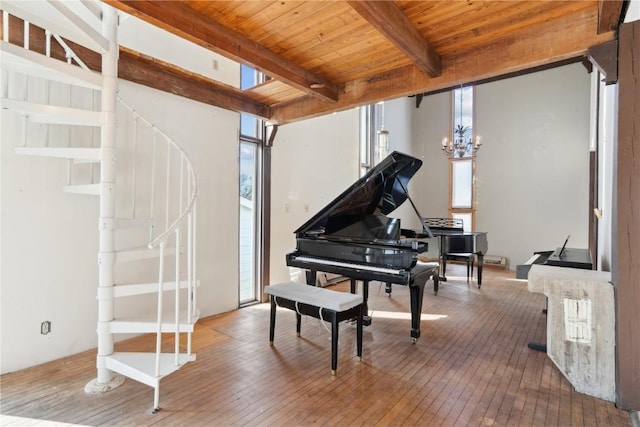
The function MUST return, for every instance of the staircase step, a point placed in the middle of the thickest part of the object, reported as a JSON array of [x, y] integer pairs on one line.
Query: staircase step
[[53, 114], [148, 325], [18, 59], [141, 366], [140, 253], [74, 153], [87, 189], [125, 290]]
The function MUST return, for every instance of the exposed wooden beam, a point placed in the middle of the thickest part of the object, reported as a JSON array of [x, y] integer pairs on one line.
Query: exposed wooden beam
[[609, 14], [184, 22], [387, 18], [136, 67], [549, 43], [151, 72], [626, 220]]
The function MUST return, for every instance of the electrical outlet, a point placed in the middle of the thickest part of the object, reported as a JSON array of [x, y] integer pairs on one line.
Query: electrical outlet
[[45, 327]]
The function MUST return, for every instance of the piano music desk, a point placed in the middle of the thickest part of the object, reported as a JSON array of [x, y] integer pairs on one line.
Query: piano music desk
[[323, 304]]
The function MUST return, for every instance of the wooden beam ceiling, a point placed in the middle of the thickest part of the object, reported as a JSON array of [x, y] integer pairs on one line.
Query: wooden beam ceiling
[[327, 57], [532, 47], [182, 21], [387, 18]]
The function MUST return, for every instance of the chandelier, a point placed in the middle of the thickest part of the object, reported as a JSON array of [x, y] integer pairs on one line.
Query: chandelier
[[461, 145]]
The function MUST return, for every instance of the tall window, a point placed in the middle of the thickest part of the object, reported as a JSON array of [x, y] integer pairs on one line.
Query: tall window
[[374, 138], [463, 164], [251, 135]]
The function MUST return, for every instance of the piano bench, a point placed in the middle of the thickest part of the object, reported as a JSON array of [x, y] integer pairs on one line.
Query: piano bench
[[324, 304]]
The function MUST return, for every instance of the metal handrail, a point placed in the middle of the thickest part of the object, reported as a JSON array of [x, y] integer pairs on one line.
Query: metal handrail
[[193, 181]]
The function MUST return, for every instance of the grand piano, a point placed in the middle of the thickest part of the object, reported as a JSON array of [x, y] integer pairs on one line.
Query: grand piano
[[454, 240], [353, 237]]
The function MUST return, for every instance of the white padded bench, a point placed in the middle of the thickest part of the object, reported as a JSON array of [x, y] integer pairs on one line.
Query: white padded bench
[[323, 304]]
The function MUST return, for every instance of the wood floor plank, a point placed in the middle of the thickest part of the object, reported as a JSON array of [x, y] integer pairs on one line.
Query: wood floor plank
[[471, 366]]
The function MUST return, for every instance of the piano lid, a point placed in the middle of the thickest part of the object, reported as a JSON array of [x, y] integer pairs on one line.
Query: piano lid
[[382, 190]]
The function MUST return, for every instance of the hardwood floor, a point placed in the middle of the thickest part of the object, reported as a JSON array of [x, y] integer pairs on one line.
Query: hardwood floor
[[471, 366]]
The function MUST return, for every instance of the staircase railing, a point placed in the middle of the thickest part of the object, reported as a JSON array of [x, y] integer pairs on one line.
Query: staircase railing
[[176, 225]]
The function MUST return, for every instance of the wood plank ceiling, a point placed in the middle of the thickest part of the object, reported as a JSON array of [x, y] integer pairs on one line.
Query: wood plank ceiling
[[326, 56]]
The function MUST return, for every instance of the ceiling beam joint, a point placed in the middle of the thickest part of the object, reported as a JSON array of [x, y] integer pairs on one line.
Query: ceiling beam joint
[[389, 20]]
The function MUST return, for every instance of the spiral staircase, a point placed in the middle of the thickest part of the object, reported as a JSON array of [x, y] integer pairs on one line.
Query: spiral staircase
[[144, 182]]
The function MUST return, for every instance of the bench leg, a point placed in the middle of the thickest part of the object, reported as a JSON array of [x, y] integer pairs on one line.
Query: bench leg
[[298, 323], [359, 335], [334, 344], [272, 320]]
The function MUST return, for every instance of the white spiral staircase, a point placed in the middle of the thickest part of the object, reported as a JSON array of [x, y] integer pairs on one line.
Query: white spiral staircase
[[146, 262]]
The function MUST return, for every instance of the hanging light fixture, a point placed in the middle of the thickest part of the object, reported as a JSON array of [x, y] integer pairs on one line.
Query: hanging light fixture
[[382, 140], [461, 145]]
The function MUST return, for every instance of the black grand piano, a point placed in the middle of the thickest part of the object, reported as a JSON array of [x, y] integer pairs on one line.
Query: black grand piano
[[454, 240], [353, 237]]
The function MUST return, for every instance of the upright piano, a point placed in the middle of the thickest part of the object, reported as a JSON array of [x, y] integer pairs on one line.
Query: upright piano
[[353, 237], [454, 240]]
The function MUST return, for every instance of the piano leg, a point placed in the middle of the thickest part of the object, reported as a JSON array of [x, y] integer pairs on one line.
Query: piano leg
[[311, 277], [443, 257], [416, 291], [272, 320], [387, 288], [366, 319], [480, 262]]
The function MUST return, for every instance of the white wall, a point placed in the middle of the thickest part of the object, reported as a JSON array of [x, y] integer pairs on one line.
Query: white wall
[[153, 41], [209, 136], [49, 257], [313, 161], [533, 169], [399, 122], [430, 186]]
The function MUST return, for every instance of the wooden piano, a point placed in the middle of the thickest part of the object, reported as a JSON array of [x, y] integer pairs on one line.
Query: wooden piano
[[454, 240], [353, 237]]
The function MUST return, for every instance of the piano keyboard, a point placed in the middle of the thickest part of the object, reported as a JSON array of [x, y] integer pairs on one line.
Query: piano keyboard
[[349, 265]]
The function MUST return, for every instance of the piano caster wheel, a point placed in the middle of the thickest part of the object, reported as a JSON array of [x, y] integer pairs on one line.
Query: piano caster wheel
[[414, 340], [366, 320]]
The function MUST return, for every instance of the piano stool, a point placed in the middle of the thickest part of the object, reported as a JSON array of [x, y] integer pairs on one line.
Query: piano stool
[[320, 303]]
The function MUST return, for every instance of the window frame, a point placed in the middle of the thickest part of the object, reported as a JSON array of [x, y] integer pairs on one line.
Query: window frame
[[472, 158]]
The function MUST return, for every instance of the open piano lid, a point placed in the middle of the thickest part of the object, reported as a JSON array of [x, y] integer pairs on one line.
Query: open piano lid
[[382, 190]]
